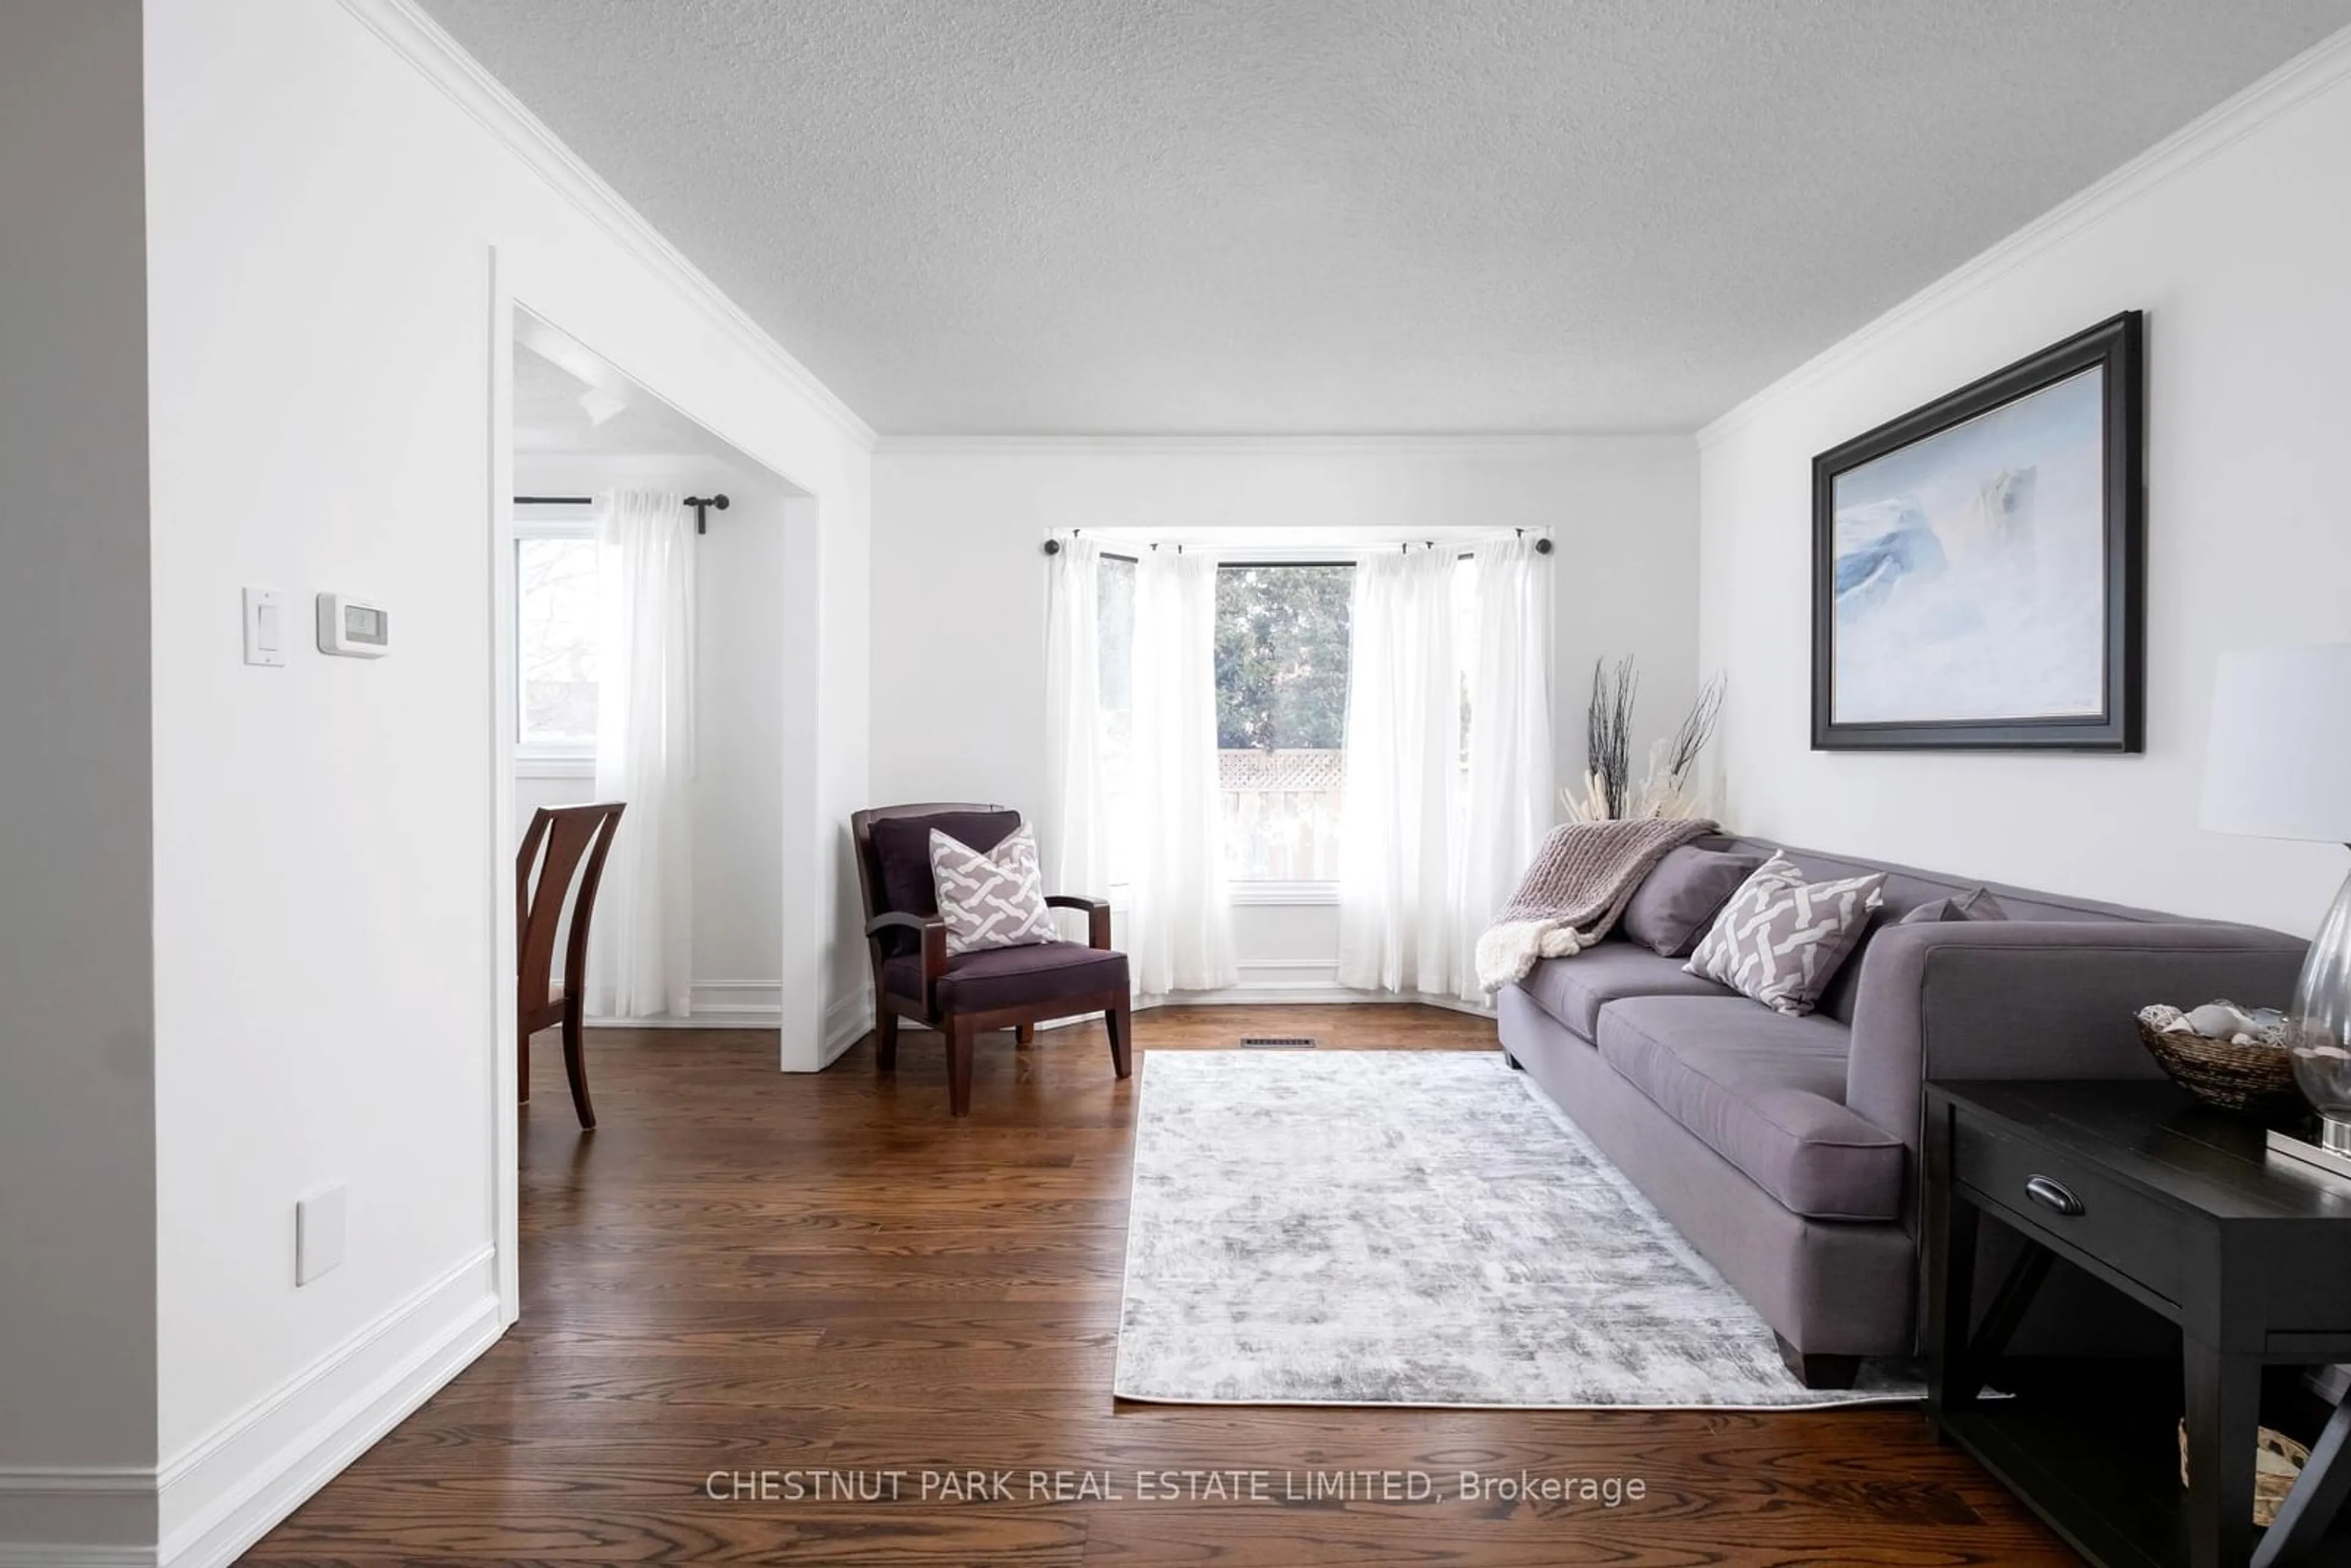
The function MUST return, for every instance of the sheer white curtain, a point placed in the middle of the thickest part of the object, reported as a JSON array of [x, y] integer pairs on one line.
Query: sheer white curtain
[[1074, 835], [1179, 933], [1508, 809], [641, 944], [1399, 923]]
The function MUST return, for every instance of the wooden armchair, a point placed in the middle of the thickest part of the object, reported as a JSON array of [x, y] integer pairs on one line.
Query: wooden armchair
[[993, 988]]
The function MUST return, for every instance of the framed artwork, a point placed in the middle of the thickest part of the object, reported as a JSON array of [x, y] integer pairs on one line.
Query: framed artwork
[[1978, 564]]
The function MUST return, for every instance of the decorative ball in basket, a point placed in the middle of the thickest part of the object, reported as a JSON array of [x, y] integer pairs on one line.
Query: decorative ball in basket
[[2225, 1055]]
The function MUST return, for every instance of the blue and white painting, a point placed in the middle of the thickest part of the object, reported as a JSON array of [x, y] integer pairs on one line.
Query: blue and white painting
[[1971, 570]]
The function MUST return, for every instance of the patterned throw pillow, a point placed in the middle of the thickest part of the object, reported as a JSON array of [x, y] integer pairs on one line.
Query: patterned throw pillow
[[1780, 938], [991, 900]]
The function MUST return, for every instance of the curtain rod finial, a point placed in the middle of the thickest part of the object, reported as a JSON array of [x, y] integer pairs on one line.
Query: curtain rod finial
[[1543, 547], [1052, 547]]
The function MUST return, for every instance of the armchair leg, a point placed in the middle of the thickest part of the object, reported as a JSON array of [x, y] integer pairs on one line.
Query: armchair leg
[[1025, 1034], [885, 1041], [958, 1067], [1119, 1022]]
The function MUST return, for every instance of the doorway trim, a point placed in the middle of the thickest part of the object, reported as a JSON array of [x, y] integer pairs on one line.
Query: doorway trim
[[513, 287]]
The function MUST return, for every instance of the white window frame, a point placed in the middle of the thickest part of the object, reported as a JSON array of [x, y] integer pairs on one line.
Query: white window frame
[[538, 759], [1288, 546]]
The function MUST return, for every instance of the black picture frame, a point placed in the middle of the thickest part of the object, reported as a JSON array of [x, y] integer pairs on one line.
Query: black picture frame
[[2118, 345]]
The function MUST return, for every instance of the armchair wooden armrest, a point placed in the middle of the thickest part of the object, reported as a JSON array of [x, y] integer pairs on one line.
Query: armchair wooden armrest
[[1097, 916], [930, 929]]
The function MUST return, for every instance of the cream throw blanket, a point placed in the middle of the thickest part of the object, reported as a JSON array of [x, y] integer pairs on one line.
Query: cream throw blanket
[[1583, 877]]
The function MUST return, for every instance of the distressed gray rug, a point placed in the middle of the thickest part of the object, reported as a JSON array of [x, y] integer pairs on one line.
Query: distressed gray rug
[[1414, 1228]]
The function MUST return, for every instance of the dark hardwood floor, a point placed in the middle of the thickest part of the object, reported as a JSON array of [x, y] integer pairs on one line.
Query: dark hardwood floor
[[745, 1271]]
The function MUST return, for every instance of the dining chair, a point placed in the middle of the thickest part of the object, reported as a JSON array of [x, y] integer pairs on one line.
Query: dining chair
[[565, 843]]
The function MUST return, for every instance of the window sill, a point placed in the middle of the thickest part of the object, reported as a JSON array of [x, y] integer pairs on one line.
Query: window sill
[[1284, 894], [555, 768]]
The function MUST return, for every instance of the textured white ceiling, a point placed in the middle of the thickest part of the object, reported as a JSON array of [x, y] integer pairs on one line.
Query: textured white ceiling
[[1348, 216]]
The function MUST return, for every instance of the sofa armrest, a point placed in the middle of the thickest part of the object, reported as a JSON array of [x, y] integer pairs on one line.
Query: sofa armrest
[[2038, 1000], [1097, 916], [930, 929]]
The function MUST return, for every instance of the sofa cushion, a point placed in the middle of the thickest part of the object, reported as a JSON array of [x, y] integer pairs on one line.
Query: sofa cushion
[[1011, 977], [1574, 989], [1677, 902], [1766, 1091]]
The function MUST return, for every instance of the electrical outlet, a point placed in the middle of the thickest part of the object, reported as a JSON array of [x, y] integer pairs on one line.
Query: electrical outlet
[[319, 1233]]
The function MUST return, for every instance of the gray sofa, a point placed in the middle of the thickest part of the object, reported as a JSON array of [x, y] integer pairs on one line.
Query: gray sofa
[[1786, 1149]]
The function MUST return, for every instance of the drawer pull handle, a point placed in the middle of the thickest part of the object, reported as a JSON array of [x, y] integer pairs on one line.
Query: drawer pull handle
[[2054, 1195]]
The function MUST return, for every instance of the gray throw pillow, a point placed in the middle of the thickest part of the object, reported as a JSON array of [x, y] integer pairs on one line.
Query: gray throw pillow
[[1780, 938], [1977, 905], [1677, 902]]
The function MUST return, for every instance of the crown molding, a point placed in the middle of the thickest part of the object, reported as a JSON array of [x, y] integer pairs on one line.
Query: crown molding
[[1528, 444], [442, 60], [2324, 65]]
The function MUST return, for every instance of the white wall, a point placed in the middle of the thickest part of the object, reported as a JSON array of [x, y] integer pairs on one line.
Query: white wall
[[321, 218], [959, 585], [2236, 241], [741, 691], [76, 1043]]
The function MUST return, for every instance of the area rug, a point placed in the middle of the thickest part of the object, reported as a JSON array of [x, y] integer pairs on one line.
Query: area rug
[[1415, 1227]]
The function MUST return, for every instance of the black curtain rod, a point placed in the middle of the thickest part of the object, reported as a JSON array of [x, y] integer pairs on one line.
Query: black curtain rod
[[701, 505]]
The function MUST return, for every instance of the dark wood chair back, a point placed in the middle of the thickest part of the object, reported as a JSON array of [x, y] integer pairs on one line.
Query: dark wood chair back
[[559, 840], [869, 884], [564, 845]]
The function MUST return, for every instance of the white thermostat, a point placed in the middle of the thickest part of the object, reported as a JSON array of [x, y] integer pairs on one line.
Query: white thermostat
[[353, 628]]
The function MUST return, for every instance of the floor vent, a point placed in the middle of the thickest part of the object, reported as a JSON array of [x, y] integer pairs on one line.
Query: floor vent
[[1277, 1042]]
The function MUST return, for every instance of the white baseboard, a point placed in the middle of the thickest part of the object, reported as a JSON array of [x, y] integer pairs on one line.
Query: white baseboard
[[50, 1554], [764, 997], [1303, 982], [217, 1496], [228, 1489], [80, 1516], [846, 1022], [716, 1004], [754, 1004]]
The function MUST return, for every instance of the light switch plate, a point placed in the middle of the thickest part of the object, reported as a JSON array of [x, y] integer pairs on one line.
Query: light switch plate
[[265, 626], [319, 1233]]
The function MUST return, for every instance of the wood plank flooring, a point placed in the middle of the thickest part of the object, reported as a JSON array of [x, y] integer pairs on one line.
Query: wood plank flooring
[[742, 1271]]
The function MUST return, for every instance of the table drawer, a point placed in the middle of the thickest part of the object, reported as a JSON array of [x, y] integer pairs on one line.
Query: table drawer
[[2067, 1200]]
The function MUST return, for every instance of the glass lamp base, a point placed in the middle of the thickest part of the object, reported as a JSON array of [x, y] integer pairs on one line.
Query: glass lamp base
[[2334, 1135], [2318, 1026]]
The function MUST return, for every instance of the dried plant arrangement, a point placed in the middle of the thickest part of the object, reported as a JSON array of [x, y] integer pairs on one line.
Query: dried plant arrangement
[[1669, 788]]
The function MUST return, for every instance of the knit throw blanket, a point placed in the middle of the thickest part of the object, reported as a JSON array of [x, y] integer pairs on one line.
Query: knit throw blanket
[[1583, 877]]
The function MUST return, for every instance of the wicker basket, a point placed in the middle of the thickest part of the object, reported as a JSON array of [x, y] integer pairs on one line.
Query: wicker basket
[[2278, 1463], [2253, 1077]]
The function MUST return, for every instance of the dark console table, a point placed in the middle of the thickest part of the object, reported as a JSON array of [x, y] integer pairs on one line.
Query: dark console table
[[2181, 1209]]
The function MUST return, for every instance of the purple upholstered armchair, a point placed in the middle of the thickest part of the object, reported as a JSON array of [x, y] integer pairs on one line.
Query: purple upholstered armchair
[[993, 988]]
